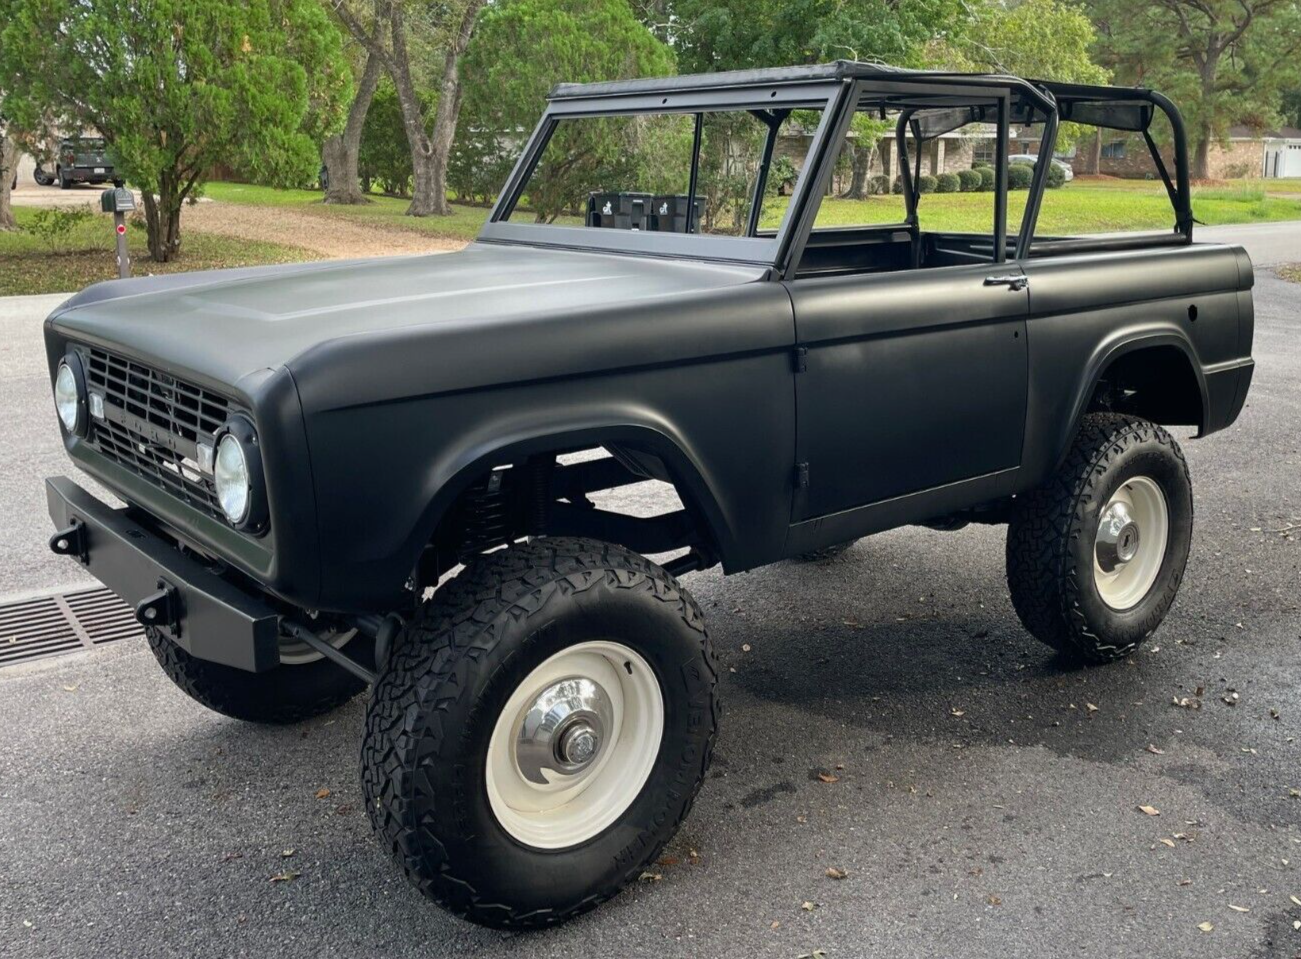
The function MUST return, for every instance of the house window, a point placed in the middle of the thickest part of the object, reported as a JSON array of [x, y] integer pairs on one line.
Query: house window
[[1115, 150]]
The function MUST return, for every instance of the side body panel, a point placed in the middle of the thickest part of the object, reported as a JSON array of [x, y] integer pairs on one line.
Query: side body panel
[[704, 381], [1089, 309], [915, 381]]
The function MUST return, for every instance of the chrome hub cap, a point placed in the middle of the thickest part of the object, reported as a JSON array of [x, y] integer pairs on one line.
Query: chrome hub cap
[[1118, 537], [574, 745], [1129, 549], [562, 730]]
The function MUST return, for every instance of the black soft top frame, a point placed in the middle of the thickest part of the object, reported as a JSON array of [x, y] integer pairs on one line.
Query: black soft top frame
[[930, 102]]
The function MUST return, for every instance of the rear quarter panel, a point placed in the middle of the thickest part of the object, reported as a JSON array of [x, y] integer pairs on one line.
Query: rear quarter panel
[[1086, 309]]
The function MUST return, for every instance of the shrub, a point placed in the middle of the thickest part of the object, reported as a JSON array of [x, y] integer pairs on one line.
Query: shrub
[[968, 180], [53, 226], [982, 165], [1019, 176], [1056, 176], [781, 175], [987, 178], [947, 183], [879, 185], [897, 185], [926, 184]]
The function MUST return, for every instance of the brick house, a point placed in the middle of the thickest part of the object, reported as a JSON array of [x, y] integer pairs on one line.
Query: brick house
[[1248, 154]]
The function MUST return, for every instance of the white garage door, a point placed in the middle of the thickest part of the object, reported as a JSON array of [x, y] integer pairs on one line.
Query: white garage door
[[1290, 160]]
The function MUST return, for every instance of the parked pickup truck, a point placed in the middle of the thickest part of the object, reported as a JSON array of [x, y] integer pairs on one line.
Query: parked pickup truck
[[381, 472], [82, 160]]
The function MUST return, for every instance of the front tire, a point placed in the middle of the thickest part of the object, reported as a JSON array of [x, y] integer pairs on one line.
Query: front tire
[[1096, 555], [540, 731], [289, 693]]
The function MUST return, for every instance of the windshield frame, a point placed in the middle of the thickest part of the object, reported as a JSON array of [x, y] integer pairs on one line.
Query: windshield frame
[[761, 249]]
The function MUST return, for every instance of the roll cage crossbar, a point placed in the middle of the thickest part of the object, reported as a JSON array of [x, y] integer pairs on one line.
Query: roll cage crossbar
[[929, 104]]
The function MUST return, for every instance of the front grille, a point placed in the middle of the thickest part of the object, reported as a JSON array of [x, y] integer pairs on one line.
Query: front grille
[[153, 423]]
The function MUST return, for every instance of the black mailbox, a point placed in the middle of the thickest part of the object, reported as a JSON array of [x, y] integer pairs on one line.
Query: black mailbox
[[117, 200]]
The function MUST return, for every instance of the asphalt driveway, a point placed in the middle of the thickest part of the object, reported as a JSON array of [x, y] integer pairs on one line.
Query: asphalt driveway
[[986, 800]]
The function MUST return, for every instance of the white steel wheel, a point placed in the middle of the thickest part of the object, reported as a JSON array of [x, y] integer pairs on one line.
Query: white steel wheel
[[1133, 531], [574, 745]]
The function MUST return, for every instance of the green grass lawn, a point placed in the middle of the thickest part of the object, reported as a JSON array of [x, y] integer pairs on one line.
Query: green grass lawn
[[86, 256], [1091, 206], [1083, 206], [382, 211]]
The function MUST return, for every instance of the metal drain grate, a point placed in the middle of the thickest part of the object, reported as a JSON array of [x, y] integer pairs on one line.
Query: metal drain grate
[[64, 623]]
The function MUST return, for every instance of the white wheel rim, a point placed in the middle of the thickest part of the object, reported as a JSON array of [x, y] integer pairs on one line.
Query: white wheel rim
[[1129, 550], [602, 688]]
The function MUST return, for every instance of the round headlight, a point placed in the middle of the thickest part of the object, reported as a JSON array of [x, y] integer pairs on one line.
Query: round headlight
[[230, 474], [67, 397]]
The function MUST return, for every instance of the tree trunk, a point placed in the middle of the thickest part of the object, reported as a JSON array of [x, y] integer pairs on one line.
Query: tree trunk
[[1205, 134], [449, 110], [340, 151], [1095, 153], [8, 163], [861, 166], [163, 219], [1202, 153]]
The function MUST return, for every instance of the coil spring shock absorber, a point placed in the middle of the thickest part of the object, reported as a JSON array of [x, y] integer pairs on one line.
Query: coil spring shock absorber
[[538, 471], [484, 518]]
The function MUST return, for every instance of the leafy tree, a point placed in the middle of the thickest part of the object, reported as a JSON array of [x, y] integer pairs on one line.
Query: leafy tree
[[522, 49], [1043, 39], [176, 86], [713, 35], [382, 27], [1222, 61], [1291, 107]]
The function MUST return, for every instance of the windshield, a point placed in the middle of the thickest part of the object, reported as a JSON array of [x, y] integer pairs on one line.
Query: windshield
[[722, 173]]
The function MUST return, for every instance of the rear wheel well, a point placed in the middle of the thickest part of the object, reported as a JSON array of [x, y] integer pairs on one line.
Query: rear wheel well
[[563, 492], [1155, 382]]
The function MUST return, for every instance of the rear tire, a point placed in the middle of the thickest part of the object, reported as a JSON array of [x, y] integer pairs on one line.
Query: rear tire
[[285, 694], [451, 744], [64, 182], [1096, 555]]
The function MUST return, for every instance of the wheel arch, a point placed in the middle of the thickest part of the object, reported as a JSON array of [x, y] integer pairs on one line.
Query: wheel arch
[[455, 473], [1163, 362]]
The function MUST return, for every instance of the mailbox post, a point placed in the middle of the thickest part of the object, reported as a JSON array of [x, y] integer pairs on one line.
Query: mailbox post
[[119, 201]]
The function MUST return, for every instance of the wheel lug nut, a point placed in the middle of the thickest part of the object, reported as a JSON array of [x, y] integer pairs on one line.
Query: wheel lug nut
[[579, 744]]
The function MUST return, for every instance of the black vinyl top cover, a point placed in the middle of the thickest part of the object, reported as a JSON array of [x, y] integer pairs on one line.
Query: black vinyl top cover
[[836, 70], [1133, 117]]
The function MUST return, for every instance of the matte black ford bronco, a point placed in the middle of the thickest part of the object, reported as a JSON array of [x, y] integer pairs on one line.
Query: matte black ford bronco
[[382, 472]]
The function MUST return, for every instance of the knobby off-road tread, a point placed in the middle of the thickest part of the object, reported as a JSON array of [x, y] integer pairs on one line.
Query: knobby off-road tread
[[426, 672], [1041, 574], [286, 694]]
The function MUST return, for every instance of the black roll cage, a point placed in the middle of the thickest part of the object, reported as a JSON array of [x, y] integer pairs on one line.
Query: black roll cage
[[840, 90]]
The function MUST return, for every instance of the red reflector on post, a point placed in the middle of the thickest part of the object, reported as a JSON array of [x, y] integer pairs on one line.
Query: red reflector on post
[[121, 228]]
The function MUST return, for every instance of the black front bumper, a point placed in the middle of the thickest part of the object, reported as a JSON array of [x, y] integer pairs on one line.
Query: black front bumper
[[206, 615]]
